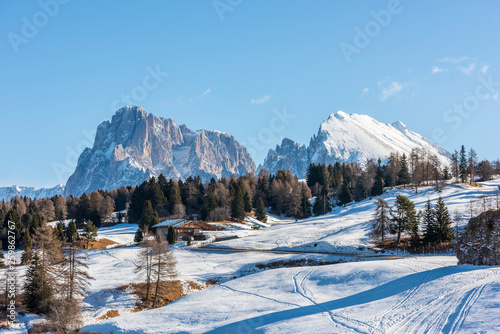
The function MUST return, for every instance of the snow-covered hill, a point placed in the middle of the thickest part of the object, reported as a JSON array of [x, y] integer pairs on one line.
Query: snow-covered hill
[[349, 138], [6, 193]]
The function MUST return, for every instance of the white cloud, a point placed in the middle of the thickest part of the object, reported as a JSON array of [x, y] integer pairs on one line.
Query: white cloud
[[365, 91], [261, 101], [484, 69], [394, 88], [468, 69], [206, 92], [455, 60], [436, 70]]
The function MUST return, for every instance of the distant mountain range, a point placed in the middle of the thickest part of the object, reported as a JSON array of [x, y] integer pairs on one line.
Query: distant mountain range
[[6, 193], [136, 145], [349, 138]]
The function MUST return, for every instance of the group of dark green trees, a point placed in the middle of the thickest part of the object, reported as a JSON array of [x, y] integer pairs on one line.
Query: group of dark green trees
[[219, 200], [434, 223]]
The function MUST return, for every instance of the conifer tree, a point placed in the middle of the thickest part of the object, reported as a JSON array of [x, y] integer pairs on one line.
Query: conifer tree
[[378, 185], [260, 211], [404, 217], [404, 176], [345, 194], [138, 237], [89, 233], [429, 223], [27, 249], [237, 202], [71, 232], [305, 207], [319, 205], [172, 235], [382, 221], [247, 202], [149, 217], [463, 166], [443, 221], [38, 291]]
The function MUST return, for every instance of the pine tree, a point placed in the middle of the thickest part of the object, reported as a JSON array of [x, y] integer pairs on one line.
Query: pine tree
[[38, 291], [378, 185], [89, 232], [149, 217], [319, 205], [138, 236], [247, 202], [443, 221], [27, 249], [404, 217], [404, 172], [345, 194], [464, 170], [71, 232], [172, 235], [260, 211], [381, 223], [429, 223], [305, 207], [237, 203]]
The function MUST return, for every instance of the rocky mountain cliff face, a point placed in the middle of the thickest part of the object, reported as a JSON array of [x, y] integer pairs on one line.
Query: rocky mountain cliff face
[[479, 244], [136, 145], [349, 138]]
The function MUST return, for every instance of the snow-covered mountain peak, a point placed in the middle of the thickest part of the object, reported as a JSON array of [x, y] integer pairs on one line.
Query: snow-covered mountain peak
[[351, 138]]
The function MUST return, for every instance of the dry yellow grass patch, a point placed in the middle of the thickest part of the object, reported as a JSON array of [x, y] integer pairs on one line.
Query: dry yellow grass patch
[[110, 314]]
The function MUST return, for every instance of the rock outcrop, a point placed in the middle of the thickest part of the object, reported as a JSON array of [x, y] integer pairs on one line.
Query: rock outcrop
[[136, 145]]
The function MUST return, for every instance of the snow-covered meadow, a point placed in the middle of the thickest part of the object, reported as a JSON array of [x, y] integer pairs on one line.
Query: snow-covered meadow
[[363, 294]]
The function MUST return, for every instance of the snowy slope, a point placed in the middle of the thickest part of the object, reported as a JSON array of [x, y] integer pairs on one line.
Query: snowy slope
[[422, 295], [350, 138], [6, 193]]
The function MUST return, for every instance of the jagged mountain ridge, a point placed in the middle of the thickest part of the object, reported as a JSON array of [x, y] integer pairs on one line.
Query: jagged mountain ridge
[[6, 193], [135, 146], [349, 138]]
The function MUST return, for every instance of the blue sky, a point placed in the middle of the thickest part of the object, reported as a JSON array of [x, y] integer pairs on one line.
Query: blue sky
[[233, 65]]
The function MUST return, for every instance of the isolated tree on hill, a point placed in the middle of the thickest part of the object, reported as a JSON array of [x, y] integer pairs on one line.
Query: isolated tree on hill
[[145, 261], [163, 265], [429, 222], [381, 223], [89, 233], [404, 176], [443, 221], [463, 165], [74, 275], [172, 235], [260, 211], [472, 164], [404, 216]]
